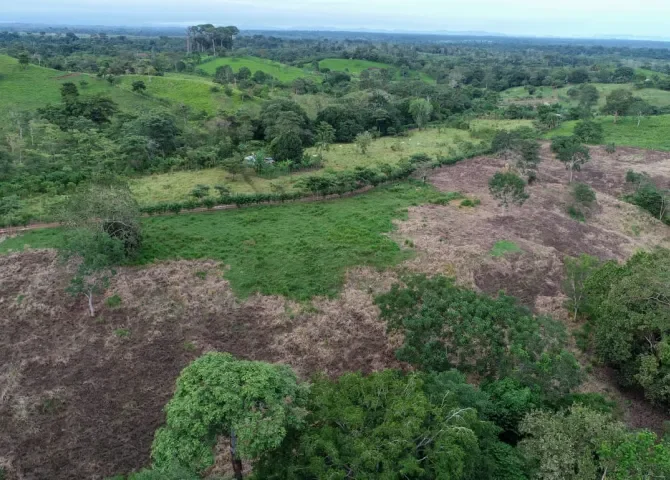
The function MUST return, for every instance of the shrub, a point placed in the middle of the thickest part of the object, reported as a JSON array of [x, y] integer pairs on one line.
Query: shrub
[[508, 188], [610, 148], [583, 194], [200, 191], [589, 132]]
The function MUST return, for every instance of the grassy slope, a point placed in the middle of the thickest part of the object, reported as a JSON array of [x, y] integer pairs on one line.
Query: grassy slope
[[35, 87], [355, 66], [296, 250], [651, 134], [284, 73], [192, 91], [654, 96]]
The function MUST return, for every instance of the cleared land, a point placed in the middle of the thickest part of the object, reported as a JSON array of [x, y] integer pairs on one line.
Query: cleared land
[[283, 73], [33, 87], [61, 424], [656, 97], [192, 91], [652, 132]]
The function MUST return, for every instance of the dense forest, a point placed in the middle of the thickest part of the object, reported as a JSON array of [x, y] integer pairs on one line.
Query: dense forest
[[483, 385]]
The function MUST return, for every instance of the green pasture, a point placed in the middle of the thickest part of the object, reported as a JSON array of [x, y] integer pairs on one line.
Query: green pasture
[[298, 250], [281, 72]]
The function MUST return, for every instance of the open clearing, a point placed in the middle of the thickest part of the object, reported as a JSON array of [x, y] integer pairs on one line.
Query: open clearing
[[655, 96], [78, 399], [653, 132], [283, 73], [34, 87]]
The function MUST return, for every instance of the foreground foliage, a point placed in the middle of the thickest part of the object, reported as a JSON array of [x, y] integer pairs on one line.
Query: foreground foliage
[[445, 326], [255, 404]]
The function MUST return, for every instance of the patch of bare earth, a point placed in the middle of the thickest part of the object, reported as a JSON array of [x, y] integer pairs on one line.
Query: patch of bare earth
[[457, 241], [81, 397]]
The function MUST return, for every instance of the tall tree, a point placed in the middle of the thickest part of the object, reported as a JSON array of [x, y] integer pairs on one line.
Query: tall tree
[[253, 404]]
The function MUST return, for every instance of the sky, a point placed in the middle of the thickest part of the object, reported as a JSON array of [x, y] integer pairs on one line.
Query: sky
[[564, 18]]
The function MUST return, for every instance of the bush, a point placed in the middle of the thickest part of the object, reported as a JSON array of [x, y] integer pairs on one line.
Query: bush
[[583, 194], [589, 132], [610, 148]]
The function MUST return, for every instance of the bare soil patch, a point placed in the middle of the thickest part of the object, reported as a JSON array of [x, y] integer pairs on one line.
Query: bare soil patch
[[82, 397]]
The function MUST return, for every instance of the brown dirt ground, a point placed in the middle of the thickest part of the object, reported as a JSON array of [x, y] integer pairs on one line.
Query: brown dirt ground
[[78, 400]]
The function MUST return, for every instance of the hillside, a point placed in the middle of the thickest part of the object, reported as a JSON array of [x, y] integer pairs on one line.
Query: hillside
[[283, 73]]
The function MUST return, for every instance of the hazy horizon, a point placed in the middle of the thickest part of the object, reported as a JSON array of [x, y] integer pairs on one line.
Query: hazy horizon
[[571, 18]]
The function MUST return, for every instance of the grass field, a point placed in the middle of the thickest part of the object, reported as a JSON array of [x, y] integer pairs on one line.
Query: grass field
[[281, 72], [355, 67], [174, 186], [653, 132], [499, 124], [33, 87], [189, 90], [296, 250], [654, 96]]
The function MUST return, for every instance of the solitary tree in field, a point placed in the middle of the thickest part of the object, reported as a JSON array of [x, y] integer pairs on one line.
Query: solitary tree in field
[[363, 141], [139, 86], [252, 404], [618, 102], [571, 152], [24, 60], [103, 230], [508, 188], [421, 110]]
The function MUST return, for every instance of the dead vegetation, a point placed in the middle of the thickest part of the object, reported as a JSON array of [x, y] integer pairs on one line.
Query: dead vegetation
[[81, 397]]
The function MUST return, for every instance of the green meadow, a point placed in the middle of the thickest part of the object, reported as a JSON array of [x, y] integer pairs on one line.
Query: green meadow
[[32, 87], [653, 132], [654, 96], [297, 250], [281, 72]]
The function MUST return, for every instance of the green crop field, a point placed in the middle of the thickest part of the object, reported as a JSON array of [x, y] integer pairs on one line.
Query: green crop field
[[651, 134], [654, 96], [33, 87], [355, 67], [296, 250], [281, 72], [189, 90]]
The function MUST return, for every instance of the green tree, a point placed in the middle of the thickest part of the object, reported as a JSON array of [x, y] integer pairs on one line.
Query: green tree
[[629, 309], [287, 146], [69, 92], [421, 110], [564, 446], [571, 153], [618, 102], [577, 271], [589, 132], [325, 135], [508, 188], [224, 75], [253, 404], [24, 60], [445, 326], [139, 86], [391, 426], [363, 142], [103, 230]]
